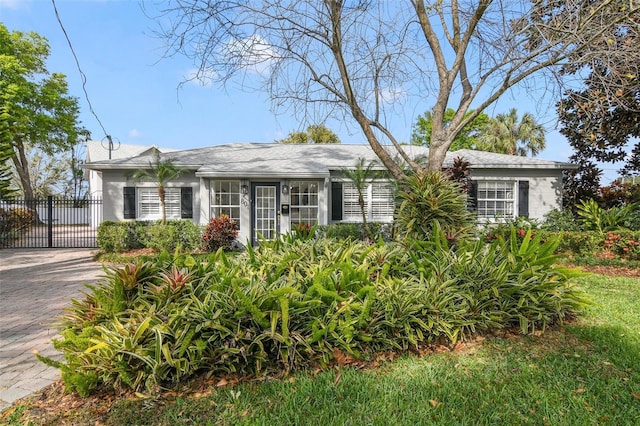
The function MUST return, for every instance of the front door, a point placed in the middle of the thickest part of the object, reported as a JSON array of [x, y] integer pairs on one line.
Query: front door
[[265, 211]]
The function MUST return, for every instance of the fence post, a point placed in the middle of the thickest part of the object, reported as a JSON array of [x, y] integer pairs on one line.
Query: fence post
[[49, 221]]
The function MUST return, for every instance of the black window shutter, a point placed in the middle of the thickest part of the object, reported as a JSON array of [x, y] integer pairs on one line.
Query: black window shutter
[[472, 196], [129, 198], [523, 198], [186, 202], [336, 200]]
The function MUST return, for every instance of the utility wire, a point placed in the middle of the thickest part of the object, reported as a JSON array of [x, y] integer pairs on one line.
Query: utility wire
[[82, 74]]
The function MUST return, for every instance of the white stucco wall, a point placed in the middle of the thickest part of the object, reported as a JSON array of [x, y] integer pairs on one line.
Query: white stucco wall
[[113, 182], [545, 187]]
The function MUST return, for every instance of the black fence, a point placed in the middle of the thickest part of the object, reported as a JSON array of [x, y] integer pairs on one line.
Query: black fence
[[51, 222]]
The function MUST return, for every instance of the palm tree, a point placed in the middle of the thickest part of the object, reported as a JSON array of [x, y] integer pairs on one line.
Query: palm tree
[[505, 135], [161, 172], [359, 177]]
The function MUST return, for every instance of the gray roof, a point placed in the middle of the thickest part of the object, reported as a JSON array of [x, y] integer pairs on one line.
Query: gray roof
[[299, 161], [99, 151]]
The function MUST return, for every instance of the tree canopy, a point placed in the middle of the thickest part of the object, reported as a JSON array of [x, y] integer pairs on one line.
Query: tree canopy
[[466, 139], [314, 134], [35, 108], [506, 134], [160, 171], [600, 116], [363, 59]]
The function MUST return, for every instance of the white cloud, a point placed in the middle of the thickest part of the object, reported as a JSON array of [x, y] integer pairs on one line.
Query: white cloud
[[134, 134], [390, 95], [13, 4], [253, 54]]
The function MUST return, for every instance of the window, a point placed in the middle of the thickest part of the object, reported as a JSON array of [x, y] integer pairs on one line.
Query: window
[[382, 202], [496, 199], [225, 199], [350, 206], [304, 202], [379, 202], [149, 203]]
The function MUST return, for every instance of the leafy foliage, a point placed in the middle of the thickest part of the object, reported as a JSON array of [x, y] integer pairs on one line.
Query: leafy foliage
[[360, 176], [117, 237], [160, 172], [561, 220], [505, 134], [595, 218], [460, 172], [220, 233], [13, 222], [35, 107], [466, 139], [430, 200], [619, 194], [315, 134], [287, 304], [173, 235]]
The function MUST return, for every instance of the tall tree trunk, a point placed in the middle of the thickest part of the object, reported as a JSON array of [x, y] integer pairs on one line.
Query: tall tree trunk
[[163, 209], [22, 168], [21, 164], [365, 225], [437, 153]]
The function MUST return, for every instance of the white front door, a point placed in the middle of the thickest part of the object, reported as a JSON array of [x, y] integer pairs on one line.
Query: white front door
[[265, 211]]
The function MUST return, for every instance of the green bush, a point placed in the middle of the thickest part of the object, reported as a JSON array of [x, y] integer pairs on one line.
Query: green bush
[[118, 237], [632, 221], [13, 222], [561, 220], [290, 304], [173, 235], [595, 218], [430, 200], [624, 244], [579, 243], [356, 232]]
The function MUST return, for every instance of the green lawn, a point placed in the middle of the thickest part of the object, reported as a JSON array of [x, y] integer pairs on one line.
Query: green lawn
[[585, 374]]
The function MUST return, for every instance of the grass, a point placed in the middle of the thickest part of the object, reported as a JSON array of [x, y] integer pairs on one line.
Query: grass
[[587, 373]]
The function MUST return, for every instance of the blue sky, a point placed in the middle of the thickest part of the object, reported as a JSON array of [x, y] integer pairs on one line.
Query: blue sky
[[135, 94]]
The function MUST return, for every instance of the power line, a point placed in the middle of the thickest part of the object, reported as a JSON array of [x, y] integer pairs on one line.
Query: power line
[[82, 74]]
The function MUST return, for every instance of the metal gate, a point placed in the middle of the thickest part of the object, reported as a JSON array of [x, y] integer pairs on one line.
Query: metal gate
[[52, 222]]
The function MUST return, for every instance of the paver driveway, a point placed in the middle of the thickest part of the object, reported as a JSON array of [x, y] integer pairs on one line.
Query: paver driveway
[[35, 286]]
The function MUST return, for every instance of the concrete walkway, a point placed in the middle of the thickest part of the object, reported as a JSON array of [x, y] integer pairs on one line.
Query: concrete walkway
[[35, 286]]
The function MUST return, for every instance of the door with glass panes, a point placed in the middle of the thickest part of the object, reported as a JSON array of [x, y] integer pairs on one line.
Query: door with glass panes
[[265, 211]]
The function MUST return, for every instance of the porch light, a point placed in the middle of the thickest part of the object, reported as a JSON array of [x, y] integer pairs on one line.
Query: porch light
[[245, 189], [285, 188]]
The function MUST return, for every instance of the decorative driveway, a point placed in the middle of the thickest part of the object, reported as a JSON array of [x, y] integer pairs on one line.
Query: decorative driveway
[[35, 286]]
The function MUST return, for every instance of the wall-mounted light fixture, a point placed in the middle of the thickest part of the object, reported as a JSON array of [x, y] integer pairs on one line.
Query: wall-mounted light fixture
[[285, 187], [245, 189]]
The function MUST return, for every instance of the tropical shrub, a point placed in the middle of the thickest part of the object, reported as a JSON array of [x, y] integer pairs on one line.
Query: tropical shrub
[[304, 231], [492, 231], [287, 304], [117, 237], [343, 231], [624, 244], [355, 231], [584, 243], [430, 200], [13, 222], [560, 220], [221, 232], [619, 194], [173, 235], [595, 218]]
